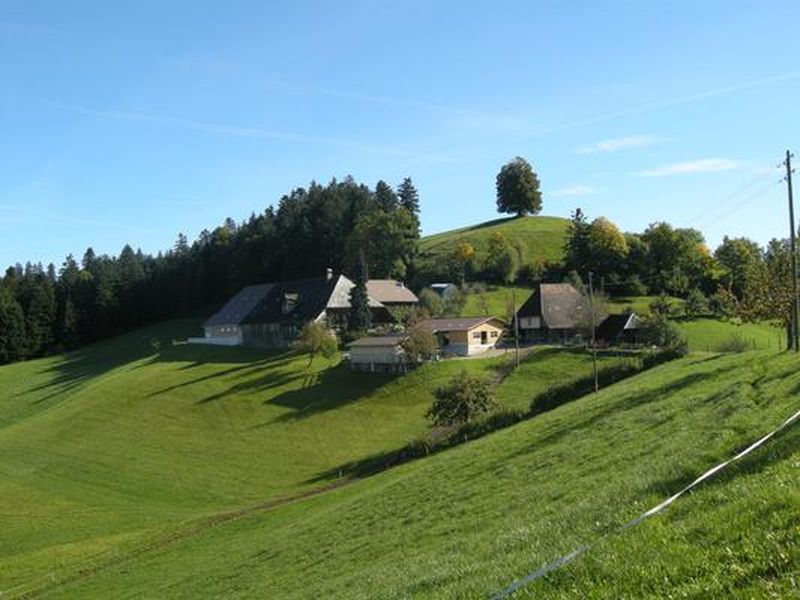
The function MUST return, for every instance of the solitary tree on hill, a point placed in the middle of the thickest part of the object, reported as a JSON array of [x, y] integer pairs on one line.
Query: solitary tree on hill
[[518, 188]]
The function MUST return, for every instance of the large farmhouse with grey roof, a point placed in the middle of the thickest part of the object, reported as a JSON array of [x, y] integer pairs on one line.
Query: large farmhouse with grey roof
[[554, 313], [272, 314]]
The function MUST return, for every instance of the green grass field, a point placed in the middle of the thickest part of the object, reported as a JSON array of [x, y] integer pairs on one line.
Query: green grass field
[[539, 239], [137, 438], [712, 334], [467, 522]]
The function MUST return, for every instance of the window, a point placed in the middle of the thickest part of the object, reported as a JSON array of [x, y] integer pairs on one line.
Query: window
[[290, 301], [494, 334], [476, 335]]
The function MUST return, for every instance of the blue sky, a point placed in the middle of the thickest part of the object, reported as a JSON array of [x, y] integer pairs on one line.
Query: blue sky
[[128, 122]]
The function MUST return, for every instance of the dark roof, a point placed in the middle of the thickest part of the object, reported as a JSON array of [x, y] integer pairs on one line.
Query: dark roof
[[614, 325], [559, 305], [237, 308], [310, 295], [385, 340], [457, 323]]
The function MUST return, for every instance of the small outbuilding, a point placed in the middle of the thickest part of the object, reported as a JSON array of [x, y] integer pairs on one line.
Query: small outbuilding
[[620, 330], [378, 354], [445, 290], [464, 336]]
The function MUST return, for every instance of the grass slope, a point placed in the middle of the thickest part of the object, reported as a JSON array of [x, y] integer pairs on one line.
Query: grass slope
[[135, 439], [539, 238], [467, 522]]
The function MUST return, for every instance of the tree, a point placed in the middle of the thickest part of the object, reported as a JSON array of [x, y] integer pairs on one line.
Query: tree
[[502, 259], [518, 189], [661, 305], [740, 258], [315, 338], [12, 329], [462, 399], [419, 344], [576, 247], [431, 301], [696, 303], [463, 255], [658, 331], [387, 241], [360, 318], [408, 196], [607, 248], [385, 196]]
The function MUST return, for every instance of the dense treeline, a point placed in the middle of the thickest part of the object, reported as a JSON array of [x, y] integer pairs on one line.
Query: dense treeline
[[46, 310]]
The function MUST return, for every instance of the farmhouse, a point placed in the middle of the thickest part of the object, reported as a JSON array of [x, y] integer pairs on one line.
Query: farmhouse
[[272, 314], [391, 293], [464, 336], [554, 313]]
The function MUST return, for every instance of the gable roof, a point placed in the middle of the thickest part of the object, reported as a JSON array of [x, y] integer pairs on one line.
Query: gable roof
[[390, 291], [237, 308], [614, 325], [377, 341], [310, 297], [559, 305], [265, 303], [457, 323]]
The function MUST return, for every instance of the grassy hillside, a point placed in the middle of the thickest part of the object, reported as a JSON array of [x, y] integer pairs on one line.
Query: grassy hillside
[[469, 521], [539, 238], [135, 439]]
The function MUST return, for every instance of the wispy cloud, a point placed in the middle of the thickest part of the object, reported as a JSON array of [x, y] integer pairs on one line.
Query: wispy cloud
[[574, 190], [622, 143], [253, 132], [644, 108], [705, 165]]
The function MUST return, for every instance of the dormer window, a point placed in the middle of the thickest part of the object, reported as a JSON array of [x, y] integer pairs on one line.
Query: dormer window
[[290, 301]]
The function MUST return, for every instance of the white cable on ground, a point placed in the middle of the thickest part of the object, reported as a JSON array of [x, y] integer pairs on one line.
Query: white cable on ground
[[568, 558]]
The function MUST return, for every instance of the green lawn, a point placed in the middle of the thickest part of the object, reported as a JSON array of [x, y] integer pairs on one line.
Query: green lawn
[[132, 439], [494, 300], [467, 522], [539, 238], [712, 334]]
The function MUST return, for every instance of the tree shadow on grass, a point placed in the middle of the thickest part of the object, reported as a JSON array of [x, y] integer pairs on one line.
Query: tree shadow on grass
[[328, 390], [81, 366]]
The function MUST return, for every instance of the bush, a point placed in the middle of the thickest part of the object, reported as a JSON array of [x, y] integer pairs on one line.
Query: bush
[[735, 344], [696, 304], [661, 305], [419, 345], [556, 396], [462, 399]]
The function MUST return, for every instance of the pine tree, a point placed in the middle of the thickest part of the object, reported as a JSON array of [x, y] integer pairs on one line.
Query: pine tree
[[12, 329], [360, 315], [385, 196], [408, 196]]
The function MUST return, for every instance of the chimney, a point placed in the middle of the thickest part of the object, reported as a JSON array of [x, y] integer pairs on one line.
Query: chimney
[[328, 273]]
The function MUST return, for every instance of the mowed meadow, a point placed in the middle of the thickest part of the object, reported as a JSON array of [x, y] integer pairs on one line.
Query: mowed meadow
[[140, 438], [468, 522]]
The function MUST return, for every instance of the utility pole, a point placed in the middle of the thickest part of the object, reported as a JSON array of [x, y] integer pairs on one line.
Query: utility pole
[[516, 320], [594, 326], [795, 341]]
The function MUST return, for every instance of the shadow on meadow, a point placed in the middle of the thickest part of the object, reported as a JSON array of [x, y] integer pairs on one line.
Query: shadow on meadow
[[72, 370]]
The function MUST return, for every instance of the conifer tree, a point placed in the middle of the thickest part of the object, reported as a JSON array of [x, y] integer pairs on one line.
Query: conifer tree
[[360, 315], [408, 196]]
